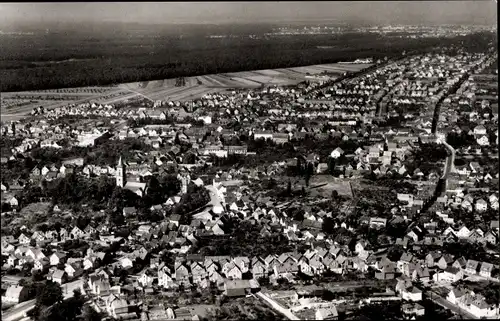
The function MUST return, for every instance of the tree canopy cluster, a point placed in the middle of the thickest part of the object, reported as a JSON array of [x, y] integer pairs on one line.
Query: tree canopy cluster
[[75, 120], [141, 122], [76, 190], [7, 144], [110, 151], [396, 184], [460, 140], [426, 157], [50, 155], [490, 290], [246, 239], [102, 193], [49, 303], [103, 154], [73, 190], [195, 198], [19, 169], [389, 310], [472, 251]]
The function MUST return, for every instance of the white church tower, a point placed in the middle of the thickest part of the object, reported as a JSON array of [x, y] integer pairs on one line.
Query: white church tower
[[120, 174], [185, 180]]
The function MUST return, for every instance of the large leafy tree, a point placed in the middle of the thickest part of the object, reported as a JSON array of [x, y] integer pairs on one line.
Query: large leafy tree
[[196, 197], [67, 310], [328, 225], [47, 295], [159, 189], [122, 198], [89, 314], [389, 311]]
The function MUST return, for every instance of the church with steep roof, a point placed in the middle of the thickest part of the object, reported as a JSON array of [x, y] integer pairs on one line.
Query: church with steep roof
[[138, 188]]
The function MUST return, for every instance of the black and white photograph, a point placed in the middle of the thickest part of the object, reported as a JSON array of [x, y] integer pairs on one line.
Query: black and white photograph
[[258, 160]]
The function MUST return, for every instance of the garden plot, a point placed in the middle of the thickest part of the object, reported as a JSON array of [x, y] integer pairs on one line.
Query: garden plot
[[354, 67], [241, 74], [183, 91], [191, 81], [161, 91], [80, 90], [11, 117], [50, 96], [293, 74], [246, 82], [157, 84], [332, 69], [314, 70], [198, 93], [190, 93], [225, 80], [362, 66], [205, 81], [305, 70], [143, 84], [167, 93], [260, 79], [269, 72], [27, 106], [212, 81], [284, 81]]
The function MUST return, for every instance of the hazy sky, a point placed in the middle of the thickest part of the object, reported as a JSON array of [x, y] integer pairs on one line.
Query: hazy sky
[[471, 12]]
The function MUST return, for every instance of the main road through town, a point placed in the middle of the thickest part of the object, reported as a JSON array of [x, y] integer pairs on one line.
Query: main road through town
[[450, 160]]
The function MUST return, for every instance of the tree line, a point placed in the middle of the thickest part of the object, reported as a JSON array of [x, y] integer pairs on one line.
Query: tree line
[[131, 63]]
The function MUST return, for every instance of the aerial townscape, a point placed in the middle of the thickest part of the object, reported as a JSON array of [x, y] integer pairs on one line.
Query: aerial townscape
[[360, 189]]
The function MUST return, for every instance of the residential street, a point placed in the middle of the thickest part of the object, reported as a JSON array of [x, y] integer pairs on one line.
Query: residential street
[[448, 305], [286, 312]]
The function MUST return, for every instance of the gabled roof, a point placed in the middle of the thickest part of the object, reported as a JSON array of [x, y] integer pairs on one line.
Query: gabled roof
[[472, 264], [486, 267]]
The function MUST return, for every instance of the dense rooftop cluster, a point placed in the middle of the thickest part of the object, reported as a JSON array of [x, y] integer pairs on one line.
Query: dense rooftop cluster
[[383, 178]]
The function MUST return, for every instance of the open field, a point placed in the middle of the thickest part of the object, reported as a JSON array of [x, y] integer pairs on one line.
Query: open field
[[14, 105], [324, 185]]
